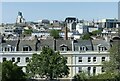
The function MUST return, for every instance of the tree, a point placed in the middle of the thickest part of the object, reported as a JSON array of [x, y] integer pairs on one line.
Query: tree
[[82, 76], [29, 31], [12, 72], [48, 64], [104, 76], [86, 36], [54, 33], [111, 67], [0, 71], [96, 32]]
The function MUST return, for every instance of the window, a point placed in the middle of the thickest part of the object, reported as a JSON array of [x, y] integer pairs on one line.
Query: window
[[63, 48], [12, 49], [4, 59], [79, 69], [5, 49], [103, 59], [8, 49], [82, 48], [89, 59], [80, 59], [27, 59], [18, 59], [13, 59], [26, 48], [102, 48], [89, 68], [94, 70], [102, 69], [94, 59]]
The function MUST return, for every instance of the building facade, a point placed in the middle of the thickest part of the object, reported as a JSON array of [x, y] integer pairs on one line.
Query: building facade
[[82, 55], [89, 62]]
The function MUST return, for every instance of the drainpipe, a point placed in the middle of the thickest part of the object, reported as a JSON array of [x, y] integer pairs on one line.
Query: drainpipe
[[72, 45]]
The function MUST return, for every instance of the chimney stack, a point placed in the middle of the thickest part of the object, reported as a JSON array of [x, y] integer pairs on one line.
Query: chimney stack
[[66, 33], [54, 44]]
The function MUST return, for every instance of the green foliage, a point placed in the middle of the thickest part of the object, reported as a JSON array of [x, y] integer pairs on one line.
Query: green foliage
[[96, 32], [54, 33], [29, 31], [48, 64], [86, 36], [104, 76], [82, 76], [0, 71], [12, 72], [114, 64], [112, 67], [115, 53]]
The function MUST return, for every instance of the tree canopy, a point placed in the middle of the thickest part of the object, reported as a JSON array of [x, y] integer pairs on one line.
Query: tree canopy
[[86, 36], [12, 72], [112, 67], [54, 33], [47, 64], [96, 32], [82, 76], [29, 31]]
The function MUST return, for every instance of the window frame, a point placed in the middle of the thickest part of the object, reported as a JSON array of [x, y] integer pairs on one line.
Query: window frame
[[89, 70], [4, 59], [94, 59], [13, 59], [80, 59], [103, 60], [27, 59], [94, 70], [89, 59], [26, 47], [18, 59]]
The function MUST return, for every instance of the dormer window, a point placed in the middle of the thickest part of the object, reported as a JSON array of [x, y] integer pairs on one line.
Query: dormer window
[[101, 47], [26, 48], [8, 48], [82, 48], [63, 47]]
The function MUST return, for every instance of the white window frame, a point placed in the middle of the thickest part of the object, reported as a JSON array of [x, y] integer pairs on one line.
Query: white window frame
[[80, 59]]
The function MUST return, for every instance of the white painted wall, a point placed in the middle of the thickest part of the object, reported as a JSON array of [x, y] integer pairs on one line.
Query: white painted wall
[[79, 28], [72, 61]]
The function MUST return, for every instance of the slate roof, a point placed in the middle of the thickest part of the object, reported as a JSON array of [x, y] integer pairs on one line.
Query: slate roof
[[86, 43], [31, 43], [64, 42], [102, 42], [50, 43], [12, 43], [36, 45]]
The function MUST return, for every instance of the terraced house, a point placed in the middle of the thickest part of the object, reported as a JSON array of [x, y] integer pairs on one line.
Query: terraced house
[[82, 55]]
